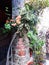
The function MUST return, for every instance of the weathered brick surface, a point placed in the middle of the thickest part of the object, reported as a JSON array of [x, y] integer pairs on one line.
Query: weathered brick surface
[[21, 53]]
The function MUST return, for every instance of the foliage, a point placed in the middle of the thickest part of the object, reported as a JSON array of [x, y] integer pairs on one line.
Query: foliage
[[7, 26], [29, 13], [28, 20], [4, 31], [38, 5], [29, 17], [35, 42]]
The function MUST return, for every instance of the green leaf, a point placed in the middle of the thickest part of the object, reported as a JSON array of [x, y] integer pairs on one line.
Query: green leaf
[[27, 6], [7, 26]]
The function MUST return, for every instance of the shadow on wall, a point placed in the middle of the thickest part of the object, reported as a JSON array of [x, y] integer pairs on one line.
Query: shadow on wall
[[4, 44], [5, 11]]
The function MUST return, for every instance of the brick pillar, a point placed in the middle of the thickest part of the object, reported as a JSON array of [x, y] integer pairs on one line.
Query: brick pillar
[[21, 53]]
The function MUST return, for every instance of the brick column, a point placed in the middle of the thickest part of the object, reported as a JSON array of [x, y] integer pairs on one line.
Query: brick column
[[21, 53]]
